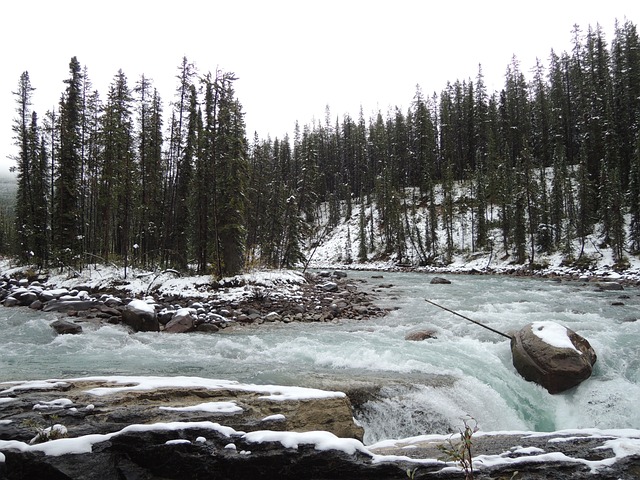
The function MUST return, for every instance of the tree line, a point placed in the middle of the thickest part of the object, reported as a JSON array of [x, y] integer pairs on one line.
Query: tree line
[[533, 168], [542, 165], [102, 180]]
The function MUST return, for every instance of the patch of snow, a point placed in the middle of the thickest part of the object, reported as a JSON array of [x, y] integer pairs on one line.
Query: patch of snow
[[527, 450], [6, 399], [201, 440], [141, 306], [59, 403], [274, 418], [320, 439], [177, 441], [33, 385], [553, 334], [211, 407], [230, 446], [271, 392]]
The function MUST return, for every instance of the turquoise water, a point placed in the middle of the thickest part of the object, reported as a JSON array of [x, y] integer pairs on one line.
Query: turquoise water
[[475, 364]]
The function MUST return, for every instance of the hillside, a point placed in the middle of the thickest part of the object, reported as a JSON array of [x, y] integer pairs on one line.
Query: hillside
[[8, 188], [339, 246]]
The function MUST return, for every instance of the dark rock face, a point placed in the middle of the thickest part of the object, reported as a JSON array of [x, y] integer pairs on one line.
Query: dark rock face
[[555, 368], [140, 319], [439, 281], [64, 327]]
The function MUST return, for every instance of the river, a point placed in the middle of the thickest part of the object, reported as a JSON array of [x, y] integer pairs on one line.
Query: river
[[428, 386]]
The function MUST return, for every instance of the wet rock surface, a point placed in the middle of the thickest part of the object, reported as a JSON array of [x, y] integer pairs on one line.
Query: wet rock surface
[[556, 368]]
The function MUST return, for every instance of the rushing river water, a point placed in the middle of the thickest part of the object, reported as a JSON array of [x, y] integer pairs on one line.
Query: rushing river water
[[429, 385]]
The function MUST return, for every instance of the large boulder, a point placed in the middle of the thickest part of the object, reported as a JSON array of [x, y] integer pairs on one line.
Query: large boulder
[[184, 320], [552, 356], [140, 316]]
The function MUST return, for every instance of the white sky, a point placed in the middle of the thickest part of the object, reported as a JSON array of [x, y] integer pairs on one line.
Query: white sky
[[292, 57]]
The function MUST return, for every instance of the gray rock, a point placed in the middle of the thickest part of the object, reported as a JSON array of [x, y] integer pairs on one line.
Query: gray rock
[[609, 286], [420, 335], [36, 305], [140, 320], [184, 320], [11, 302], [64, 306], [207, 327], [329, 286], [439, 281], [66, 327], [272, 317], [25, 297]]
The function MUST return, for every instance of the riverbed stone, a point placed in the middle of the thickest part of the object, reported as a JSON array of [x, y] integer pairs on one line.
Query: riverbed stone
[[140, 320], [184, 320], [440, 281], [66, 327], [420, 335], [555, 368]]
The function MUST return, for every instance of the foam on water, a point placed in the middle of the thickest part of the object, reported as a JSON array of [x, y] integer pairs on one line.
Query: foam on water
[[482, 381]]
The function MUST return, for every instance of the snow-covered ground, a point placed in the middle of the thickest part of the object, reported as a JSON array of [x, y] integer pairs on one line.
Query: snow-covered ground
[[332, 252]]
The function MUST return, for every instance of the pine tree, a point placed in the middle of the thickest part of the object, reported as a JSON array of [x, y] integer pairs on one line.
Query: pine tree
[[362, 233], [232, 167], [634, 199], [66, 213], [119, 185], [26, 157], [149, 153]]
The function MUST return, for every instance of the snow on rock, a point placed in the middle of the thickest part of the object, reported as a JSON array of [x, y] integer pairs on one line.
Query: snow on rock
[[59, 403], [321, 440], [270, 392], [212, 407], [553, 334], [141, 306], [274, 418]]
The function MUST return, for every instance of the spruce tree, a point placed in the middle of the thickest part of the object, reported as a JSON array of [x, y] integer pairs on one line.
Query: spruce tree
[[25, 159], [232, 171], [66, 214]]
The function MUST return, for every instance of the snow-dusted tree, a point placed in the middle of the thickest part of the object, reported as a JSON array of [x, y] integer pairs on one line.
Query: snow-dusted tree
[[66, 214], [119, 172], [149, 133]]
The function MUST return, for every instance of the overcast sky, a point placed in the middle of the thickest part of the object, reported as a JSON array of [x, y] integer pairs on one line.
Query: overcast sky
[[292, 57]]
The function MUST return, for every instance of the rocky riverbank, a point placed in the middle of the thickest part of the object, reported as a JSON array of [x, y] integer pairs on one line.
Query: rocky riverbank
[[204, 306]]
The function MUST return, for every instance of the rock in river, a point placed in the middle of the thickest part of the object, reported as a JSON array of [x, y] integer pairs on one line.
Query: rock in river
[[552, 356]]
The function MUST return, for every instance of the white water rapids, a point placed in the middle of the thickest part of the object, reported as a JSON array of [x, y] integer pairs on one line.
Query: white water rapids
[[427, 386]]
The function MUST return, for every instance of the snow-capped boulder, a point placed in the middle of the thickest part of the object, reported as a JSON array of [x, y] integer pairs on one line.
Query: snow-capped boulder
[[25, 297], [552, 356], [140, 316]]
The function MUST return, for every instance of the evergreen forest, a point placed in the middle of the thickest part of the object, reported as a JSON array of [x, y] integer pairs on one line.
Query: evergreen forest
[[546, 164]]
